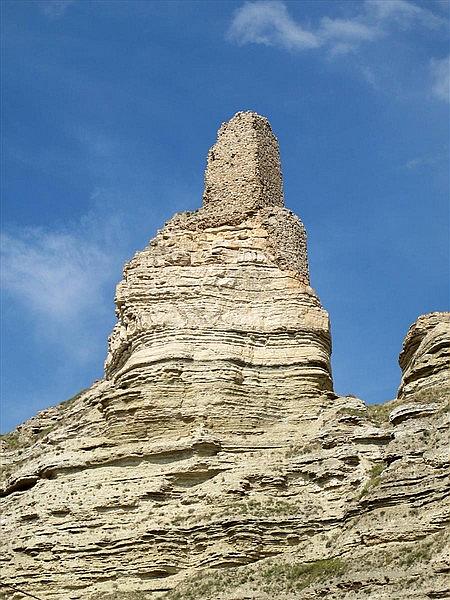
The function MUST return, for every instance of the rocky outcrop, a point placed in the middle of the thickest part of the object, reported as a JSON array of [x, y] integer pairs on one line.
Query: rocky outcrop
[[217, 322], [214, 461], [379, 526], [377, 481], [425, 358], [338, 502]]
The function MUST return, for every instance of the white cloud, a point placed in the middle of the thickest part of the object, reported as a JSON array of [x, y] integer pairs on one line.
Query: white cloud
[[63, 281], [57, 275], [443, 4], [440, 76], [344, 35], [95, 143], [402, 13], [268, 22], [347, 29], [425, 161], [54, 9]]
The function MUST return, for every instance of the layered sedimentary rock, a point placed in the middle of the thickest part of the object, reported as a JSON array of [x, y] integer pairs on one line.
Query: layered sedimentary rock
[[213, 461], [216, 317], [425, 358]]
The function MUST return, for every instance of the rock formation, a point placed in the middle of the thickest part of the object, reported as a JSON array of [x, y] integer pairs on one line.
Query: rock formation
[[214, 461], [217, 322], [425, 358]]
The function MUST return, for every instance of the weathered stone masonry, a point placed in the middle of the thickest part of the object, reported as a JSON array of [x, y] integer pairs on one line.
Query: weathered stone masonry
[[243, 181]]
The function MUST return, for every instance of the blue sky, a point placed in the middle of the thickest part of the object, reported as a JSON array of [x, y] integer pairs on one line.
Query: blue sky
[[109, 109]]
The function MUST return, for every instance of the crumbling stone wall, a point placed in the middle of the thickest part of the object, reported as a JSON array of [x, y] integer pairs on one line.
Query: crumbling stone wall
[[286, 240], [243, 185], [243, 168]]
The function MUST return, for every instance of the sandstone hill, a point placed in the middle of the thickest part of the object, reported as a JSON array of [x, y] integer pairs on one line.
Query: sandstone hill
[[214, 461]]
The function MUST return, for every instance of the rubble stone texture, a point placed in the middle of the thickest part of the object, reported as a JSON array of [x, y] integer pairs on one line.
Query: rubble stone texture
[[214, 461], [244, 171]]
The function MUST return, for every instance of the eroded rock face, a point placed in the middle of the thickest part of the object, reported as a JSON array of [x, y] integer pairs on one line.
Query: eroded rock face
[[425, 358], [213, 461], [335, 502], [216, 317]]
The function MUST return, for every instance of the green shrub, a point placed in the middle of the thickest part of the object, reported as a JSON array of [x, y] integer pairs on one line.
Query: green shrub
[[12, 440], [69, 401], [297, 576], [379, 413], [274, 578], [352, 412], [374, 478]]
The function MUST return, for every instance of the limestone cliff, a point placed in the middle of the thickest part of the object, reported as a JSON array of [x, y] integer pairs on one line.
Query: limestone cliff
[[425, 357], [214, 461]]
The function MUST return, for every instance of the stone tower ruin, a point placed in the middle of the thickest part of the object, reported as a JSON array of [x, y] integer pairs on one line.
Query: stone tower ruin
[[216, 314], [244, 168]]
